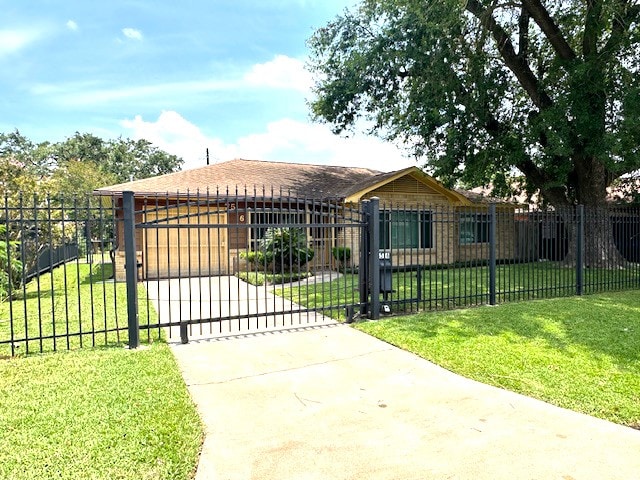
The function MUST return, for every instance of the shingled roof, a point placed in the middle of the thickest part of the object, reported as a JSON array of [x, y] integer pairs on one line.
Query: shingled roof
[[312, 181], [259, 177]]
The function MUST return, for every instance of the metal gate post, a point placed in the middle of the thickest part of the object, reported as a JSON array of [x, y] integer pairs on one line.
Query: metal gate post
[[492, 254], [131, 268], [374, 258], [363, 267]]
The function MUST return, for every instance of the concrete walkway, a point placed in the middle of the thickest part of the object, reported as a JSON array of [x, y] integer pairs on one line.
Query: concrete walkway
[[333, 403]]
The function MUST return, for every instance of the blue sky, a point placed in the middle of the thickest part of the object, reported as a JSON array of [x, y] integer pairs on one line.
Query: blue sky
[[227, 75]]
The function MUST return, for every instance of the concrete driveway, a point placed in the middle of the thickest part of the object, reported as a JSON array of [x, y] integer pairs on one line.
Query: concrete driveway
[[204, 298], [330, 402]]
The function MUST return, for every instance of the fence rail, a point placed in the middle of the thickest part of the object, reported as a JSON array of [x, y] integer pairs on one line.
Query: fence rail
[[194, 258]]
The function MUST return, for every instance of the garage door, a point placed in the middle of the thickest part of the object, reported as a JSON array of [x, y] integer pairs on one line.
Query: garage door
[[184, 250]]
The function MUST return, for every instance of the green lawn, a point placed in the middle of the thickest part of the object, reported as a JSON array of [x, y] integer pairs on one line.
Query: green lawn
[[76, 302], [443, 289], [99, 413], [581, 353], [104, 413]]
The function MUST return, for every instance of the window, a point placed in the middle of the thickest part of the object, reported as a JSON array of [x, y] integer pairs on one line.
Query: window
[[268, 219], [474, 228], [406, 229]]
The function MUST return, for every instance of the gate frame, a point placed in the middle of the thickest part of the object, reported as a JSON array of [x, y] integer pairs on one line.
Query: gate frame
[[130, 226]]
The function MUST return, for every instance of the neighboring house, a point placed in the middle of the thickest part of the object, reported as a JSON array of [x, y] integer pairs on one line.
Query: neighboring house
[[237, 198]]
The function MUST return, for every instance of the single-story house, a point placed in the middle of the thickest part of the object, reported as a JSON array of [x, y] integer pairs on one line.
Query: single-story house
[[236, 199]]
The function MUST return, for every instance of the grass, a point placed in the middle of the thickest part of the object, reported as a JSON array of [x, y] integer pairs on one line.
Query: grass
[[581, 353], [101, 413], [104, 413], [76, 304], [261, 278], [443, 289]]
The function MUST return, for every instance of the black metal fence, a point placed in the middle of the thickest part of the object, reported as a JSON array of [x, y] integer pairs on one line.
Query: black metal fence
[[228, 263], [439, 257], [50, 257], [56, 275]]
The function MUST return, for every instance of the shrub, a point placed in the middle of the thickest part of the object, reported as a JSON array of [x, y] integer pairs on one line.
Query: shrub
[[256, 259], [259, 279], [254, 278], [342, 255], [286, 249]]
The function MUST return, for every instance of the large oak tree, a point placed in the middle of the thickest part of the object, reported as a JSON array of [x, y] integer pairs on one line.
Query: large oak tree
[[482, 89], [487, 89]]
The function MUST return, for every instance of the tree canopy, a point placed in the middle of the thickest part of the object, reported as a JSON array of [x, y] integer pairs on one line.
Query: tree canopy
[[37, 179], [484, 90], [78, 164]]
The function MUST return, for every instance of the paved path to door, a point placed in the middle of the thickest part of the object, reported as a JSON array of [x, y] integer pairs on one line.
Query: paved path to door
[[333, 403], [224, 296]]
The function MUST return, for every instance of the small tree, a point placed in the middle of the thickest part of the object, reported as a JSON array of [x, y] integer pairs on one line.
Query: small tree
[[286, 249]]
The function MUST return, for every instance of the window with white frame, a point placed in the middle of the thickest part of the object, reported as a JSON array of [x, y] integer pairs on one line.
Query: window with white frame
[[406, 229], [474, 228]]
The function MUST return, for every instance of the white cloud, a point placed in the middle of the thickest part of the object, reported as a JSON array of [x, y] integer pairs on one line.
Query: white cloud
[[86, 93], [71, 25], [284, 140], [302, 142], [172, 133], [132, 33], [11, 41], [281, 72]]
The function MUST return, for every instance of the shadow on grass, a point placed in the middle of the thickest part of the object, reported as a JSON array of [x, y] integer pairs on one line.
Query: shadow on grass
[[530, 295], [607, 324]]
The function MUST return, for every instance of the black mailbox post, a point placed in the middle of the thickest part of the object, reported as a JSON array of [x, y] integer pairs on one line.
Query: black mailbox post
[[386, 285]]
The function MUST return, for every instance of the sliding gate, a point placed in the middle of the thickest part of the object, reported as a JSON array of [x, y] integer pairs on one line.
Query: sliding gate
[[214, 265]]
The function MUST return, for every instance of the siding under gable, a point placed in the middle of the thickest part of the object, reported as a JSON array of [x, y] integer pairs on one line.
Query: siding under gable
[[408, 191]]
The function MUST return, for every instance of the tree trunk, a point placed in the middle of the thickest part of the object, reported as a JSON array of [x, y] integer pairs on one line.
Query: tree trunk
[[600, 250]]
